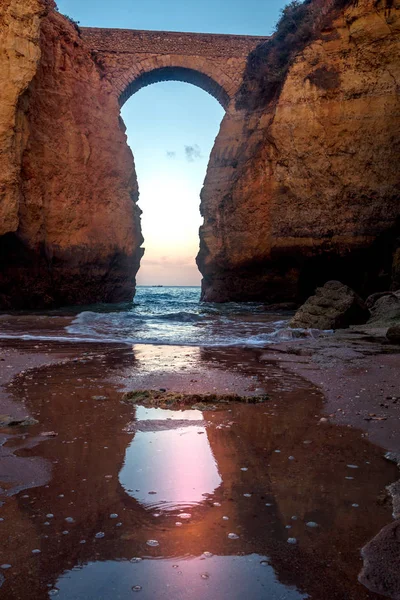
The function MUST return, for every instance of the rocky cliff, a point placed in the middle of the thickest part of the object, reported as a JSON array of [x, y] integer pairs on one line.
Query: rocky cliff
[[70, 225], [304, 183]]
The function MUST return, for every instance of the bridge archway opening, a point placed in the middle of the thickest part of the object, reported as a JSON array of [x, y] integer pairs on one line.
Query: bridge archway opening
[[183, 74], [171, 128]]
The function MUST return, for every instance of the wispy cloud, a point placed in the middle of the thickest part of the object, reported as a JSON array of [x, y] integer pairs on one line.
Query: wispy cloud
[[192, 153], [171, 154]]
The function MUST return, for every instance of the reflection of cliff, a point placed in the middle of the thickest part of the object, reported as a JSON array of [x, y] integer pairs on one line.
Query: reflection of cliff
[[89, 452], [305, 189]]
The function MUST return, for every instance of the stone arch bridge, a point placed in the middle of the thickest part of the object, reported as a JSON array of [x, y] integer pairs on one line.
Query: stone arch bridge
[[132, 59]]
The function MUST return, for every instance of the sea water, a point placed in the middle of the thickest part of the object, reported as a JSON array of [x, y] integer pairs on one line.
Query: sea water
[[157, 315]]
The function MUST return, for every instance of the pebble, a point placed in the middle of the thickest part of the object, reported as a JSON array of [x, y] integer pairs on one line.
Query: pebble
[[135, 559], [291, 457], [208, 554], [225, 518], [216, 504], [178, 524], [244, 469], [233, 536], [54, 592], [292, 541], [5, 566], [349, 478], [65, 532], [50, 516], [294, 518], [352, 466], [264, 563], [70, 520], [36, 551], [99, 535], [152, 543], [312, 524], [113, 516], [355, 505], [247, 495]]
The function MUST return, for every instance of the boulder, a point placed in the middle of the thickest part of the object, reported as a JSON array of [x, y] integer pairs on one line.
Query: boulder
[[386, 311], [334, 306], [393, 334], [381, 571]]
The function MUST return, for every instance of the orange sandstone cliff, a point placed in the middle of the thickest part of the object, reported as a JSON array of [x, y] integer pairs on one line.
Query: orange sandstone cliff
[[70, 225], [303, 183], [306, 187]]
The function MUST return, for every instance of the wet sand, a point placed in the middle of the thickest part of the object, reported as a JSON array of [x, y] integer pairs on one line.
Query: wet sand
[[300, 496]]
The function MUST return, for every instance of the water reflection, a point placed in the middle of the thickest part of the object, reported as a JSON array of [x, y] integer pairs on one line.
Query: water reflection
[[260, 472], [222, 577], [169, 464]]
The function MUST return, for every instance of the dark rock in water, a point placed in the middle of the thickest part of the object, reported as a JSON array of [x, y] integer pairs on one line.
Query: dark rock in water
[[334, 306], [160, 399], [386, 311], [381, 571], [393, 334], [7, 421]]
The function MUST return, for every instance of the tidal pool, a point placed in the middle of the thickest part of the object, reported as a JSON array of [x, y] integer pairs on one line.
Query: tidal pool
[[255, 501]]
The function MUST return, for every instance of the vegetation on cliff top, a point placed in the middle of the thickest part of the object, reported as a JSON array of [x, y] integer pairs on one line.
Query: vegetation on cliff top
[[267, 66]]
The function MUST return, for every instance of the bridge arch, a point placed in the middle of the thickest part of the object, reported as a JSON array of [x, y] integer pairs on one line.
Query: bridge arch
[[176, 73]]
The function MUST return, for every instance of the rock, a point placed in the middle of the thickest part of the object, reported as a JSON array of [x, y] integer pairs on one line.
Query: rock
[[396, 270], [7, 421], [334, 306], [386, 311], [290, 199], [68, 207], [381, 570], [370, 301], [393, 334]]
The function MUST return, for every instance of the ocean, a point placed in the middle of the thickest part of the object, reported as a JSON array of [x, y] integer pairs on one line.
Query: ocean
[[158, 315]]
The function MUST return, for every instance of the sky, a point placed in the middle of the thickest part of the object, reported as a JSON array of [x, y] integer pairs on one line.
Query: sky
[[171, 126]]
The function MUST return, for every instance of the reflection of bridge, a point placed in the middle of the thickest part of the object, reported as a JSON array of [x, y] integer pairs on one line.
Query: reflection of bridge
[[132, 59]]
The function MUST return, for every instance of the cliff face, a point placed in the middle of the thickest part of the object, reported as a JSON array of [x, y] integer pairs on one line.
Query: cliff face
[[74, 227], [307, 188], [19, 56]]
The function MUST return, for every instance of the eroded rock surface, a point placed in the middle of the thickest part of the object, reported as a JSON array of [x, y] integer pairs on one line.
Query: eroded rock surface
[[381, 572], [306, 189], [74, 231], [334, 306]]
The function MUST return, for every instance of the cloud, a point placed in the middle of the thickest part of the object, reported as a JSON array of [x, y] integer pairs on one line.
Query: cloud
[[192, 153], [171, 154]]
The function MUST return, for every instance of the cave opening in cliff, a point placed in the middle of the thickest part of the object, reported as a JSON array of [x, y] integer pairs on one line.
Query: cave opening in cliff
[[171, 127]]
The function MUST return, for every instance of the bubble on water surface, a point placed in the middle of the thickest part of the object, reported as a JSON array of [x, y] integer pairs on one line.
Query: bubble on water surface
[[294, 518], [136, 588], [70, 520], [135, 559], [352, 466], [233, 536], [247, 495], [54, 592], [225, 518], [5, 566], [264, 563], [50, 515], [113, 516], [349, 478], [99, 535], [355, 505], [216, 503], [312, 524], [152, 543], [244, 469], [184, 516], [36, 551], [205, 576], [207, 554], [178, 524], [292, 541]]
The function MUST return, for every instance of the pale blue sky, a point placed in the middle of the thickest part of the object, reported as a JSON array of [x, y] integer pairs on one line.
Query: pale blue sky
[[165, 119]]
